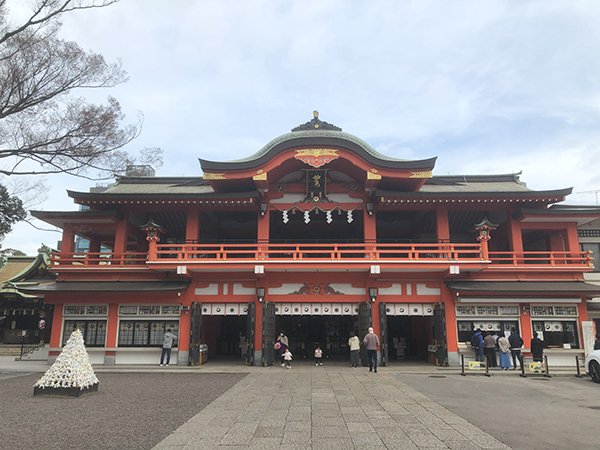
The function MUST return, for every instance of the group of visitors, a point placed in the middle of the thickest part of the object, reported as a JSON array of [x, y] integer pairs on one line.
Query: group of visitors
[[485, 348], [371, 342]]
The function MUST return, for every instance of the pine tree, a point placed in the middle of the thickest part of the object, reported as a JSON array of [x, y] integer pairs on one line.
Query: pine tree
[[72, 370]]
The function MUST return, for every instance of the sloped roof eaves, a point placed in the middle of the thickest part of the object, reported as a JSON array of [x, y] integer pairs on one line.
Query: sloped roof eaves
[[110, 287], [11, 270], [451, 194], [562, 287], [77, 215], [212, 194], [312, 138], [557, 212], [477, 187], [158, 188]]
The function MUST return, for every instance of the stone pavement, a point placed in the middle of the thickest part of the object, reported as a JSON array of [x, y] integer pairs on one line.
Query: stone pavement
[[328, 407]]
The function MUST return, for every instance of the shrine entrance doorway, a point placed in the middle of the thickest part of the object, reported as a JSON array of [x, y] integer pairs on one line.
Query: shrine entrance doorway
[[330, 332], [224, 330], [409, 337]]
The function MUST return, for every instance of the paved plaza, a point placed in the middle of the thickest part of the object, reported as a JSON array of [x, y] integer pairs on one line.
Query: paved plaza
[[404, 406], [322, 408]]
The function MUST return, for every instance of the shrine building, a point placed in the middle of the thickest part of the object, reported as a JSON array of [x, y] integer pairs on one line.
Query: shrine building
[[317, 235]]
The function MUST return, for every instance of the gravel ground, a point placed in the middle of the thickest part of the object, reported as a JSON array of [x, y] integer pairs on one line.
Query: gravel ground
[[130, 411]]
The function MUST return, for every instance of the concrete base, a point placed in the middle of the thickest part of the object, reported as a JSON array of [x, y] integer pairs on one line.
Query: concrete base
[[453, 359], [109, 360], [70, 392], [182, 358], [258, 358]]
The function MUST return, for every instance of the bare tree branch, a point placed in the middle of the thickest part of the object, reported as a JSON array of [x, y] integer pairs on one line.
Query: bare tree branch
[[43, 128]]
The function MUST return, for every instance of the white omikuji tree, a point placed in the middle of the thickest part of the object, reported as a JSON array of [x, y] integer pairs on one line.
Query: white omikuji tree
[[72, 368]]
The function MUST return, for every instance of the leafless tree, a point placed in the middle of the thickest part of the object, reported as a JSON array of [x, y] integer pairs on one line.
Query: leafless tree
[[44, 127]]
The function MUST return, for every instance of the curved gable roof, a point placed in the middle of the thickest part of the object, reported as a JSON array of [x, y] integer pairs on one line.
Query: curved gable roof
[[314, 137]]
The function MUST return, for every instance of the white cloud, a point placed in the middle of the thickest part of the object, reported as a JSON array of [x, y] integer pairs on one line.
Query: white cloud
[[488, 87]]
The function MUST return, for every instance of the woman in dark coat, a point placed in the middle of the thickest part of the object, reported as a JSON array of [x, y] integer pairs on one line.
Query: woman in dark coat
[[537, 348]]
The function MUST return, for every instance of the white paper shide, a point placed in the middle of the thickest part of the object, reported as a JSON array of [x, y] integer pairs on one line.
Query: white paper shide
[[72, 368]]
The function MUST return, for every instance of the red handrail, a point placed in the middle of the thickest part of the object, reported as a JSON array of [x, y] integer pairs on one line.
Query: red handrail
[[371, 251]]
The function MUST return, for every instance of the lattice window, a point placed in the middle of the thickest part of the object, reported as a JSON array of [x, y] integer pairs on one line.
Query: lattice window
[[74, 310], [93, 331], [145, 333], [542, 311]]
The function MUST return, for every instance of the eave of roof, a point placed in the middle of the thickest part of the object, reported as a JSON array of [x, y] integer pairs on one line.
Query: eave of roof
[[310, 138], [524, 287], [108, 287], [580, 215], [59, 218], [108, 198], [389, 197]]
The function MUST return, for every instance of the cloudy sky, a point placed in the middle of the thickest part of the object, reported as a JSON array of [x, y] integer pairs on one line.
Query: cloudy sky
[[488, 87]]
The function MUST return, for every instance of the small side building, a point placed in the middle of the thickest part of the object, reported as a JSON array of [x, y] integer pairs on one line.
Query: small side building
[[20, 311]]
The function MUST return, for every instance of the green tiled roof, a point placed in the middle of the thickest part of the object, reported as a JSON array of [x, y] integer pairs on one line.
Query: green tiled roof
[[316, 134]]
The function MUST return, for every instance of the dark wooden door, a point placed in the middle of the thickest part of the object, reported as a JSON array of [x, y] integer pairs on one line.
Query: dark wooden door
[[195, 334], [268, 352], [439, 334], [250, 334], [365, 320]]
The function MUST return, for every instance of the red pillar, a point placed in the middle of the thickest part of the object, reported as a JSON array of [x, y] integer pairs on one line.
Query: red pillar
[[68, 241], [112, 325], [184, 321], [192, 225], [448, 298], [442, 224], [516, 239], [583, 317], [572, 239], [369, 225], [121, 237], [526, 329], [56, 327]]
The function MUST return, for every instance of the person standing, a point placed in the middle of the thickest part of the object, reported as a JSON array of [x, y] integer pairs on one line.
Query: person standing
[[318, 356], [354, 344], [281, 345], [287, 356], [515, 347], [168, 339], [371, 341], [597, 343], [537, 348], [489, 349], [477, 344], [503, 348]]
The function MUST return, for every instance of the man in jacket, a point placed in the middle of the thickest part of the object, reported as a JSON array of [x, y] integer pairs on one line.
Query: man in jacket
[[168, 339], [515, 347], [489, 348], [371, 341]]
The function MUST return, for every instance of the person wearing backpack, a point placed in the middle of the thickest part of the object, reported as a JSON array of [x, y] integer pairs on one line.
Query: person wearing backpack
[[477, 344]]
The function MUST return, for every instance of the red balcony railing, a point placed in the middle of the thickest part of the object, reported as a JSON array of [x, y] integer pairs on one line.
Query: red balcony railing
[[319, 252], [103, 259], [552, 259]]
